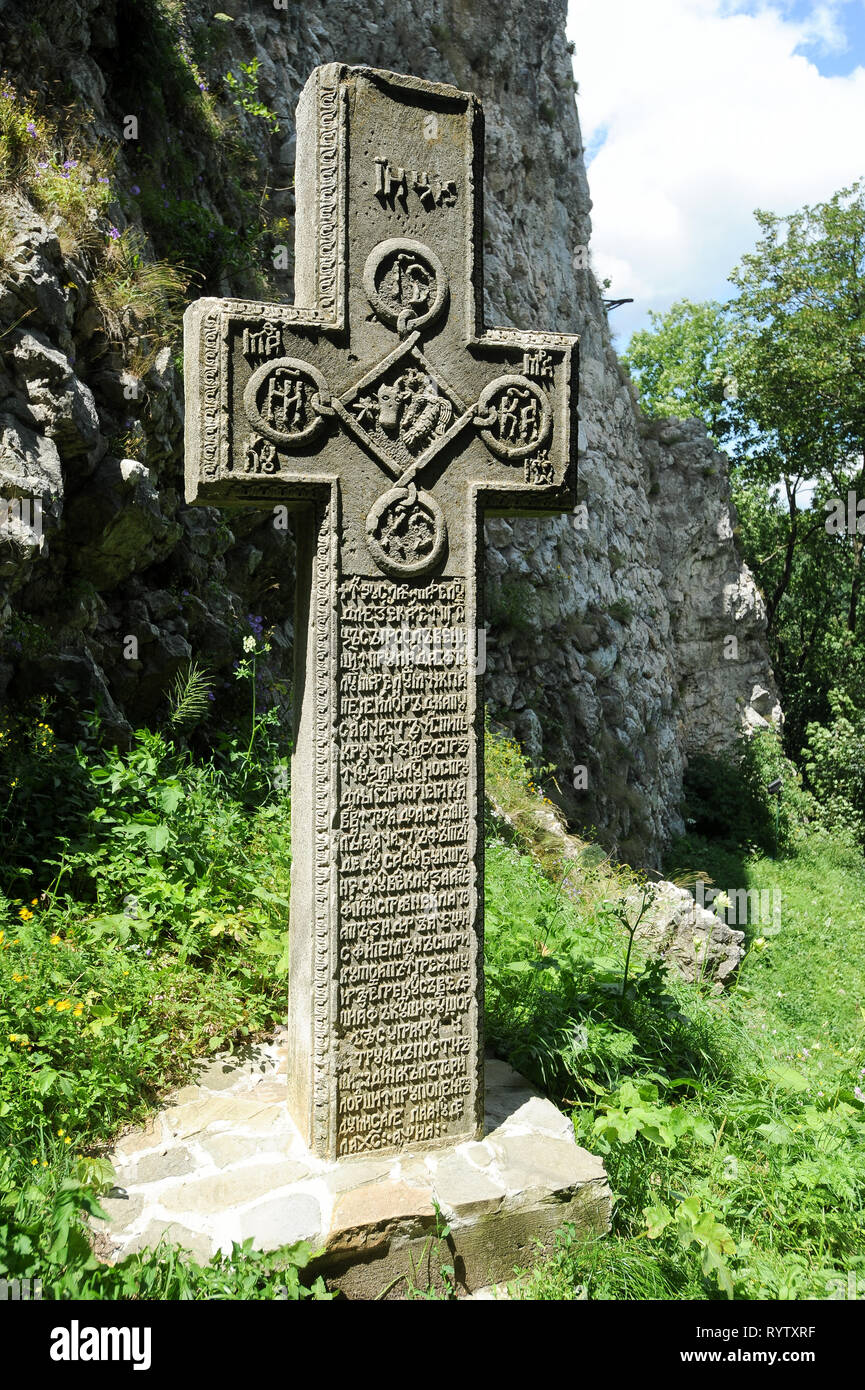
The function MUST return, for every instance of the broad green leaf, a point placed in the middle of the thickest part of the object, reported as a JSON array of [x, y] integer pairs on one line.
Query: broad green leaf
[[657, 1220]]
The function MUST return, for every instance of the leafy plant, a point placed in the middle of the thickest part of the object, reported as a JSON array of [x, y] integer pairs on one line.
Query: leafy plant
[[634, 1109], [244, 93], [695, 1226], [630, 918]]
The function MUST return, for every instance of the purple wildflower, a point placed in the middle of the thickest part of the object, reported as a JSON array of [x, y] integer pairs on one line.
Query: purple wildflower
[[114, 234], [135, 190], [31, 128]]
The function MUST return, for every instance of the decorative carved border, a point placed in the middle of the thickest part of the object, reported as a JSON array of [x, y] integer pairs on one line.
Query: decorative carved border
[[325, 610], [525, 339], [210, 395], [329, 273]]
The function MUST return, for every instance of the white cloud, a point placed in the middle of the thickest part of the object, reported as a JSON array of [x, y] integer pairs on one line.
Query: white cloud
[[706, 111]]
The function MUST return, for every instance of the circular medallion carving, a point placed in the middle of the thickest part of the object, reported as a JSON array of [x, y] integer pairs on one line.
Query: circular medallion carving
[[406, 531], [514, 416], [286, 400], [405, 283]]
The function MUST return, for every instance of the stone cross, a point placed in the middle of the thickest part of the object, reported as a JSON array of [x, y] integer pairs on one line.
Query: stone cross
[[381, 410]]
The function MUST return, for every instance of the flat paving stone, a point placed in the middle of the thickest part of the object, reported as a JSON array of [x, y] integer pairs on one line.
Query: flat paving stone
[[540, 1114], [224, 1076], [196, 1243], [153, 1167], [534, 1161], [282, 1221], [271, 1091], [121, 1210], [197, 1115], [150, 1136], [478, 1154], [347, 1176], [269, 1119], [230, 1189], [464, 1190], [225, 1149], [381, 1204]]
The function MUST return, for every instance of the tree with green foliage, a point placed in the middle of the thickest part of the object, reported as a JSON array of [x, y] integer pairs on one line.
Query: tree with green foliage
[[778, 375], [798, 349], [678, 364]]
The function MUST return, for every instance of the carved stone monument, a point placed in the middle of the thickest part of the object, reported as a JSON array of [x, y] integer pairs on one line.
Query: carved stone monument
[[381, 409]]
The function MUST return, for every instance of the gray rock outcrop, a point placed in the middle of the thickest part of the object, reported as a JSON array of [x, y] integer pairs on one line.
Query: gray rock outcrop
[[607, 648]]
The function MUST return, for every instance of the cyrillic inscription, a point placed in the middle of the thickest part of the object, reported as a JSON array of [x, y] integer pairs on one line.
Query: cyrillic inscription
[[406, 891]]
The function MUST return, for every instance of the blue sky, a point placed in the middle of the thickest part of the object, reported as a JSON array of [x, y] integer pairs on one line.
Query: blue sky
[[695, 112]]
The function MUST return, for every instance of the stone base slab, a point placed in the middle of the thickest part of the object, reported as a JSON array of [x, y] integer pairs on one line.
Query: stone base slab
[[224, 1162]]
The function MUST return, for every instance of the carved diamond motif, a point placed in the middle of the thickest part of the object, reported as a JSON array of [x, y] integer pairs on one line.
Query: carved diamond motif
[[403, 411]]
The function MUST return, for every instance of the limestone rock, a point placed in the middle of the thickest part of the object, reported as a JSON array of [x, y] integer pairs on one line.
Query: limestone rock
[[608, 630], [59, 403], [694, 941]]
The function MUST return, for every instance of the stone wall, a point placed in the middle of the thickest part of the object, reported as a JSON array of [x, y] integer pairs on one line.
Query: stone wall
[[606, 647]]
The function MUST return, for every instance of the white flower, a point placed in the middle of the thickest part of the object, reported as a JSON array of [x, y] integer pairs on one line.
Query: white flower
[[249, 644]]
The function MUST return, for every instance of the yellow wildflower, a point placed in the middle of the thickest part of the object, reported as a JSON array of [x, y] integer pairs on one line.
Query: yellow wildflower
[[50, 1003], [78, 1011], [60, 1133], [25, 914], [62, 1005], [54, 940], [33, 902], [67, 1140], [38, 1009], [17, 979], [34, 1161]]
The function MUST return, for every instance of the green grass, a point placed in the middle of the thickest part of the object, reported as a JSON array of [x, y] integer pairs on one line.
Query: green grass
[[762, 1194], [143, 898]]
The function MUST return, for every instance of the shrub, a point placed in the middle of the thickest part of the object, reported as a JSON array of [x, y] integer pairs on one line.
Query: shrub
[[834, 758], [726, 796]]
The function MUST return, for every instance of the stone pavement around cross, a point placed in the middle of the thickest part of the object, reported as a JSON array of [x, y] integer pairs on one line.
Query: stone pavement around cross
[[224, 1162], [381, 409]]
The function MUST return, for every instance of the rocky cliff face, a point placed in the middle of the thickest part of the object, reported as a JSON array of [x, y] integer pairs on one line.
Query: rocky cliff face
[[609, 649]]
